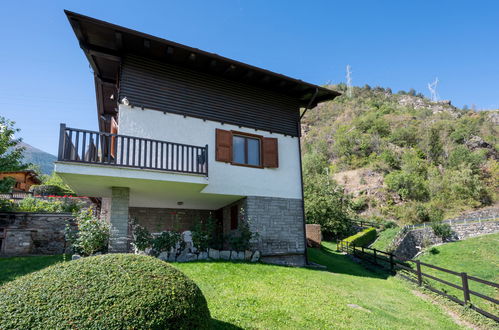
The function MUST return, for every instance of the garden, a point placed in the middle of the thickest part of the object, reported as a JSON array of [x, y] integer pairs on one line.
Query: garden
[[140, 292]]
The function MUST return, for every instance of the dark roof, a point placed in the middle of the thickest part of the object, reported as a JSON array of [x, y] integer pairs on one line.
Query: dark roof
[[105, 44]]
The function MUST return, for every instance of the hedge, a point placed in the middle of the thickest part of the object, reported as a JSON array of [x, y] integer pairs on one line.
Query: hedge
[[113, 291], [362, 238]]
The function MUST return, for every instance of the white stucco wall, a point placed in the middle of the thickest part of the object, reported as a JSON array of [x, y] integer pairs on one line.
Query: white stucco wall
[[224, 178]]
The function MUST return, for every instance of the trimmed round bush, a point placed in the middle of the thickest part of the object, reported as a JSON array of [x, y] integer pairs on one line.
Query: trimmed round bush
[[113, 291]]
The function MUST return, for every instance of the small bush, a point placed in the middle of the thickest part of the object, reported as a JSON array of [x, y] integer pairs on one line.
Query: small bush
[[240, 239], [165, 241], [114, 291], [442, 230], [7, 205], [142, 238], [52, 190], [362, 238], [51, 205], [6, 184], [91, 236], [205, 235]]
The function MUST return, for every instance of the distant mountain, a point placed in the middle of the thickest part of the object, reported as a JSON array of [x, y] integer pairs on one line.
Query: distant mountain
[[38, 157]]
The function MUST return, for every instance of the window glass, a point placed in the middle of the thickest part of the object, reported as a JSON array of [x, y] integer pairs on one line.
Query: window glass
[[238, 150], [253, 152]]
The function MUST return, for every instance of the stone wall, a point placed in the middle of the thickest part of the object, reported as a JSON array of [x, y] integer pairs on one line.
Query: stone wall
[[156, 220], [415, 240], [279, 224], [33, 233]]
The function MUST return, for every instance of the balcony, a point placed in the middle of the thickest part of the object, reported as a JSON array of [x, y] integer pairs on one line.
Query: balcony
[[100, 148]]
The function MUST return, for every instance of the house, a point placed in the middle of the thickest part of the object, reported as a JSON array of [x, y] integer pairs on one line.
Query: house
[[24, 179], [184, 133]]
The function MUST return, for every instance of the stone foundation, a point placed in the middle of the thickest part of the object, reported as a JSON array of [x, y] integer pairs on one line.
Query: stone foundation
[[23, 233], [279, 224]]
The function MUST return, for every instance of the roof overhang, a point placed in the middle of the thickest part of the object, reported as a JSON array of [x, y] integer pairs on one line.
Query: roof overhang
[[105, 44]]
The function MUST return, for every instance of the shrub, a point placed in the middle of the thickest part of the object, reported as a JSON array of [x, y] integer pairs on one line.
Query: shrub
[[205, 235], [7, 205], [442, 230], [53, 190], [51, 205], [362, 238], [6, 184], [114, 291], [240, 239], [142, 239], [165, 241], [91, 236]]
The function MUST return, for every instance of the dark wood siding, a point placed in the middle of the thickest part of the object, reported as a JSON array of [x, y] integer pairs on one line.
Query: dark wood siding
[[165, 87]]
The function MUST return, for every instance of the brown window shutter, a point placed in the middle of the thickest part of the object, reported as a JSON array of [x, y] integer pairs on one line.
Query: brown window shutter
[[223, 150], [270, 152]]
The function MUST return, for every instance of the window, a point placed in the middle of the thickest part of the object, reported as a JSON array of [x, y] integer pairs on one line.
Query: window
[[246, 150]]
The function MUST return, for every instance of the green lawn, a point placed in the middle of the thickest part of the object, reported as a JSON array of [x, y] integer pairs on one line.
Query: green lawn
[[262, 296], [385, 238], [259, 296], [476, 256], [10, 268]]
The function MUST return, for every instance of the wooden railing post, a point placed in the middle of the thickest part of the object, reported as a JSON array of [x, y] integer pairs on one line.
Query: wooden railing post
[[62, 141], [375, 260], [466, 289], [420, 276], [353, 249], [206, 159]]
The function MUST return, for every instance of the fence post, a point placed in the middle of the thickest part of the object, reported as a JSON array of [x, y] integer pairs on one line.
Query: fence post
[[353, 249], [420, 276], [391, 262], [466, 289], [375, 260]]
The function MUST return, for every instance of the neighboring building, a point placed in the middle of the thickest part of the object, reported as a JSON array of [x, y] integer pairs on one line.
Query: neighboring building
[[185, 133], [24, 179]]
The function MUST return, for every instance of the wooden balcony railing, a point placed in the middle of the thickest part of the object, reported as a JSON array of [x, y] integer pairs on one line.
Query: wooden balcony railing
[[83, 146]]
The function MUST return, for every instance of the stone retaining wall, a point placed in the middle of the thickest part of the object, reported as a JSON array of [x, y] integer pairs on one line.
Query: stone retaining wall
[[33, 233], [415, 240]]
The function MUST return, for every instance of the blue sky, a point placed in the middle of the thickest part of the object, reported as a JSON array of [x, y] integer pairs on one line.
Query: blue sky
[[45, 78]]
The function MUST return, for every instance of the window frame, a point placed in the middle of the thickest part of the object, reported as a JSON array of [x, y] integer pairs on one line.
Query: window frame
[[246, 136]]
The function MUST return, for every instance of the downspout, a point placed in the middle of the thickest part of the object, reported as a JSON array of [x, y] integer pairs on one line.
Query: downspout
[[301, 173]]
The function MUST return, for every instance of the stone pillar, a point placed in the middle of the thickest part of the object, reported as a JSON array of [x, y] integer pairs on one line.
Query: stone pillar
[[118, 219]]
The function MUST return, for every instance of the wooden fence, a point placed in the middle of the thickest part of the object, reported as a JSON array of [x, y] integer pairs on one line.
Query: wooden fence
[[389, 261]]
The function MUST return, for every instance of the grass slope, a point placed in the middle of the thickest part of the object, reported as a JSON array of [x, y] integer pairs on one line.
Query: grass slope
[[385, 238], [262, 296], [477, 257], [259, 296]]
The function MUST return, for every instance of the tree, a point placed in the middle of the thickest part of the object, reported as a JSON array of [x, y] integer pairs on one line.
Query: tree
[[11, 153], [325, 202]]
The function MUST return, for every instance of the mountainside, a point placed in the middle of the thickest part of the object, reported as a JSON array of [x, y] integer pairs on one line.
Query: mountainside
[[38, 157], [403, 157]]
